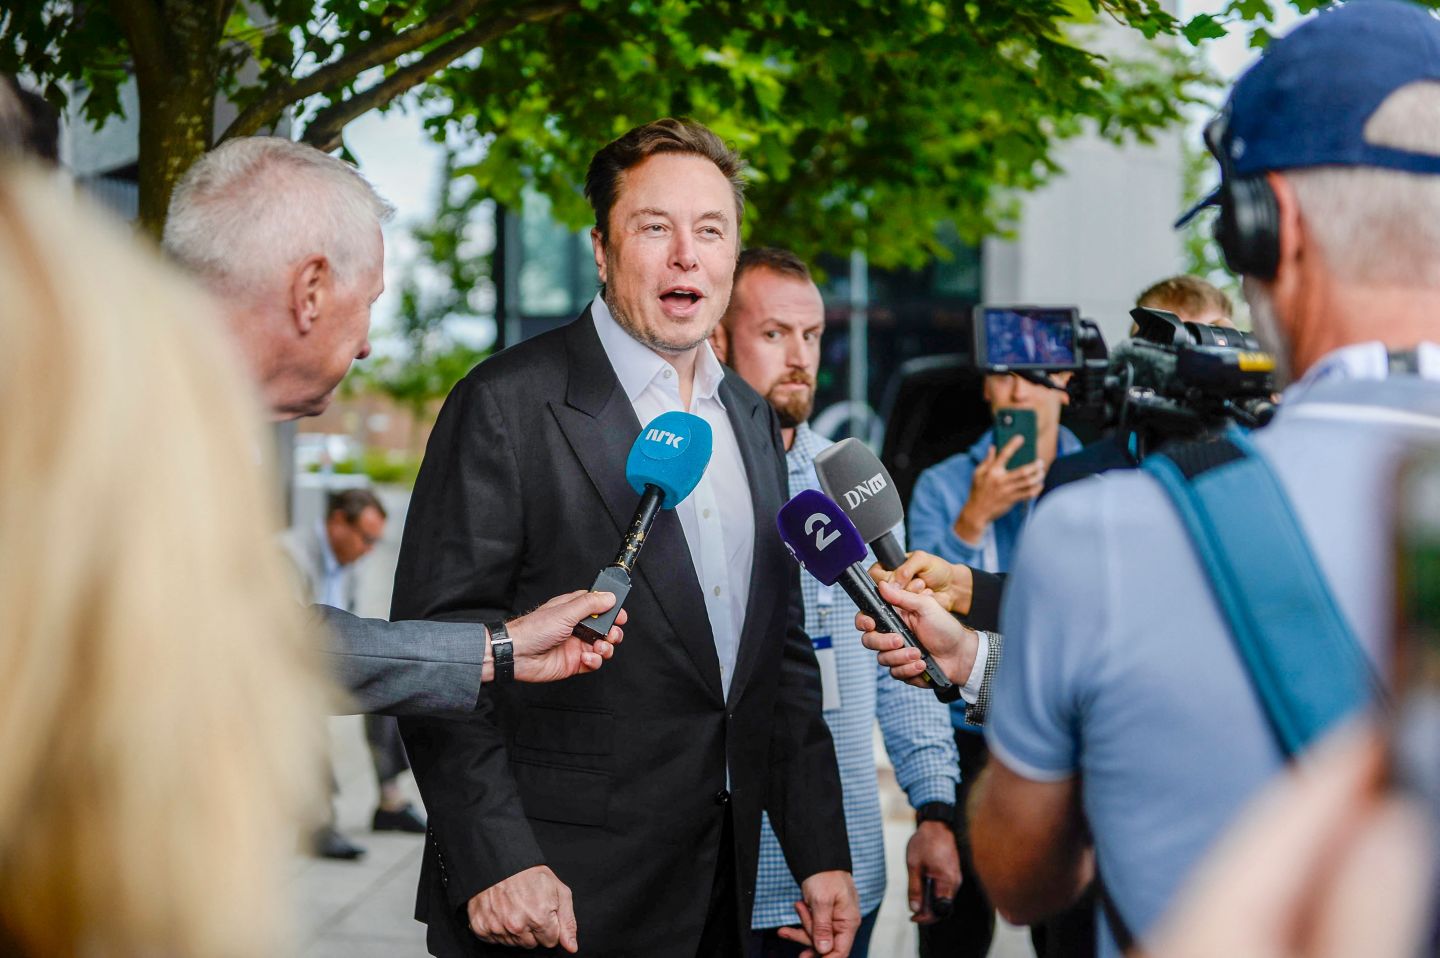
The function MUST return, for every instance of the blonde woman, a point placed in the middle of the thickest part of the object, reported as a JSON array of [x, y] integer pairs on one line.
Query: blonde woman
[[160, 703]]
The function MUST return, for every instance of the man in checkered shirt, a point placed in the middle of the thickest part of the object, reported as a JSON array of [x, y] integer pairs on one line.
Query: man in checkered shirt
[[771, 336]]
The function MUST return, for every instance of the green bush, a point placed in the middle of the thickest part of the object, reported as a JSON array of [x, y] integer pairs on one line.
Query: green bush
[[382, 466]]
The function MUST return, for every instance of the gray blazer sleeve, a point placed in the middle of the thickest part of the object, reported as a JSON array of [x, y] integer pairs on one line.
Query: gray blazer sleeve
[[404, 668]]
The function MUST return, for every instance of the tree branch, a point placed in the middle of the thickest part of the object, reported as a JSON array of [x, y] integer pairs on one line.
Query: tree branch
[[220, 13], [324, 130], [381, 50]]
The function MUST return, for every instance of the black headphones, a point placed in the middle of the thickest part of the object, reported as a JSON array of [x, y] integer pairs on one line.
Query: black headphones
[[1248, 227]]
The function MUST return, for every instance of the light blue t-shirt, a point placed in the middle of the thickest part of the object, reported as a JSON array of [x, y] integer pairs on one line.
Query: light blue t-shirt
[[1118, 664]]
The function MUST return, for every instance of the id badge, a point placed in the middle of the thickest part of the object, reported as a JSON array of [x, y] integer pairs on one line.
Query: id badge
[[829, 672]]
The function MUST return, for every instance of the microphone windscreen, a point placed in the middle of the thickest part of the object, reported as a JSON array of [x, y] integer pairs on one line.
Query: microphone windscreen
[[671, 453], [854, 479], [817, 534], [1154, 366]]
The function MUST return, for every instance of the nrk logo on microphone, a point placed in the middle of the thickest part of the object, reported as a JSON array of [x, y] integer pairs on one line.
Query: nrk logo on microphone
[[670, 453], [665, 443]]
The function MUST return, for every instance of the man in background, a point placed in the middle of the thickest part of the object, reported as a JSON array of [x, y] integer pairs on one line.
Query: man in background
[[1191, 298], [326, 556], [770, 335]]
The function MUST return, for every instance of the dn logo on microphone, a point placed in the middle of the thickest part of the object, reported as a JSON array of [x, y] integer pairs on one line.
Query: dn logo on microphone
[[664, 444], [870, 487]]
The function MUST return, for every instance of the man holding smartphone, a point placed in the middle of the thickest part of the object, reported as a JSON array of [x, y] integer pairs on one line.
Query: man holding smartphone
[[971, 509]]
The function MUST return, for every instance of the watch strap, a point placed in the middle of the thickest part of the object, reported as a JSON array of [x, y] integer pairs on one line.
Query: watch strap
[[942, 812], [504, 652]]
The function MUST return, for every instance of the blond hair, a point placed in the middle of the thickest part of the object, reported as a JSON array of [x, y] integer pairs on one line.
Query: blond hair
[[160, 698]]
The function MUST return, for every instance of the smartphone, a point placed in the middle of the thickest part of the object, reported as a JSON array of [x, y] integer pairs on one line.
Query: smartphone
[[1414, 744], [939, 907], [1016, 422]]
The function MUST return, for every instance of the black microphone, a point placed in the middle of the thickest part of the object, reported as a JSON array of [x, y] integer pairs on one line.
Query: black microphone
[[666, 463], [854, 479]]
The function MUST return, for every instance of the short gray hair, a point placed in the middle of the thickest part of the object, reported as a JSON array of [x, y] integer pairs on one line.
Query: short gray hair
[[259, 204], [1378, 225]]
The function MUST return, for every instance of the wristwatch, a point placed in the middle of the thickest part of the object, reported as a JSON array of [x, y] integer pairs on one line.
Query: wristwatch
[[942, 812], [504, 652]]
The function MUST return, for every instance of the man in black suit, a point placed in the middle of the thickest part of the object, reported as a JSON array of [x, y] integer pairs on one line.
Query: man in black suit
[[639, 788]]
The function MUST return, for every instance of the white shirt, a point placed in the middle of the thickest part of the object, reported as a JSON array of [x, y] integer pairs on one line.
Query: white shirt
[[718, 517], [1362, 361]]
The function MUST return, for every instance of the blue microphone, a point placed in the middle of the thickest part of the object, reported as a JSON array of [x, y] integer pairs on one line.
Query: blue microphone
[[824, 540], [665, 464]]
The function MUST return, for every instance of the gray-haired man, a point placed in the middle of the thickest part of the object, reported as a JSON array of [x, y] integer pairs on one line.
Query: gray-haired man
[[288, 240]]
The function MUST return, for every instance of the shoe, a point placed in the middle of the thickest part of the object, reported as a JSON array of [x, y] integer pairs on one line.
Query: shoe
[[403, 820], [329, 843]]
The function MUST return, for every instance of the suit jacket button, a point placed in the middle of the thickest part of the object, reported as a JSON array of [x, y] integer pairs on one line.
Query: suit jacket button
[[722, 797]]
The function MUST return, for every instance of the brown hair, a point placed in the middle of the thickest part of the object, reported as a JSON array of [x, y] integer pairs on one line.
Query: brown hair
[[773, 258], [1186, 295], [607, 168], [353, 502]]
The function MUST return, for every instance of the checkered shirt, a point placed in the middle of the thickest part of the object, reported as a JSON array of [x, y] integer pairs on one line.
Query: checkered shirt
[[915, 725]]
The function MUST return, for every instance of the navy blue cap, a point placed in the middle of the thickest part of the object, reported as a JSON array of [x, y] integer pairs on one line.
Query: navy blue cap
[[1306, 101]]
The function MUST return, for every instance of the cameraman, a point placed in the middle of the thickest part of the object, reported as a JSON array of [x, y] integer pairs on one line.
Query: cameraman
[[1120, 672]]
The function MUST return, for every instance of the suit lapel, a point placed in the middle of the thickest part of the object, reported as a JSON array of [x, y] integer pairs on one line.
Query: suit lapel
[[600, 425], [750, 419]]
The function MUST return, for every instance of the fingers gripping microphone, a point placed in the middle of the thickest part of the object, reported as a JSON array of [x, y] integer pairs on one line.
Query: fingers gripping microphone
[[666, 462], [854, 479], [826, 543]]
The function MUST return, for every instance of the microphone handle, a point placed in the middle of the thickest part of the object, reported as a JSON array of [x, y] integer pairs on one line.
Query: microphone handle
[[615, 577], [862, 592], [888, 551], [634, 540]]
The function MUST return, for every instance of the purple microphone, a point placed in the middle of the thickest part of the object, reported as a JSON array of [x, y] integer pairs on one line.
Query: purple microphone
[[824, 541]]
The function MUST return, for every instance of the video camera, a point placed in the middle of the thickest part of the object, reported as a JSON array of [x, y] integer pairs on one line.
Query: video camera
[[1172, 380]]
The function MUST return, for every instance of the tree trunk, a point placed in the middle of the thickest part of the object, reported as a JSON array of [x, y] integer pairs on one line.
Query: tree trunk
[[176, 128], [176, 46]]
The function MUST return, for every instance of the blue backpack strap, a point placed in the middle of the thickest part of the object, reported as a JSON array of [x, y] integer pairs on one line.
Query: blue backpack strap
[[1306, 666]]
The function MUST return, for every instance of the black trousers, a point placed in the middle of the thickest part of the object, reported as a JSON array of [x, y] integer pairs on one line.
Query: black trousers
[[967, 932]]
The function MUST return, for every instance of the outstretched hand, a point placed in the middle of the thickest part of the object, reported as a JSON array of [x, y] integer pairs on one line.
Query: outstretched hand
[[545, 648], [950, 644], [951, 583]]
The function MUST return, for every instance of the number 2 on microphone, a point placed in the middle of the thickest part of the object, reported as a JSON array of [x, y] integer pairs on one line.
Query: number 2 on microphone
[[821, 539]]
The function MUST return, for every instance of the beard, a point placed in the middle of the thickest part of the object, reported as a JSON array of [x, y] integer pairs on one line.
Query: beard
[[792, 407], [1267, 329], [643, 336]]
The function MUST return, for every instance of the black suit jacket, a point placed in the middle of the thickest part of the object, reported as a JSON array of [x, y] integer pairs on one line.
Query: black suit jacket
[[616, 780]]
